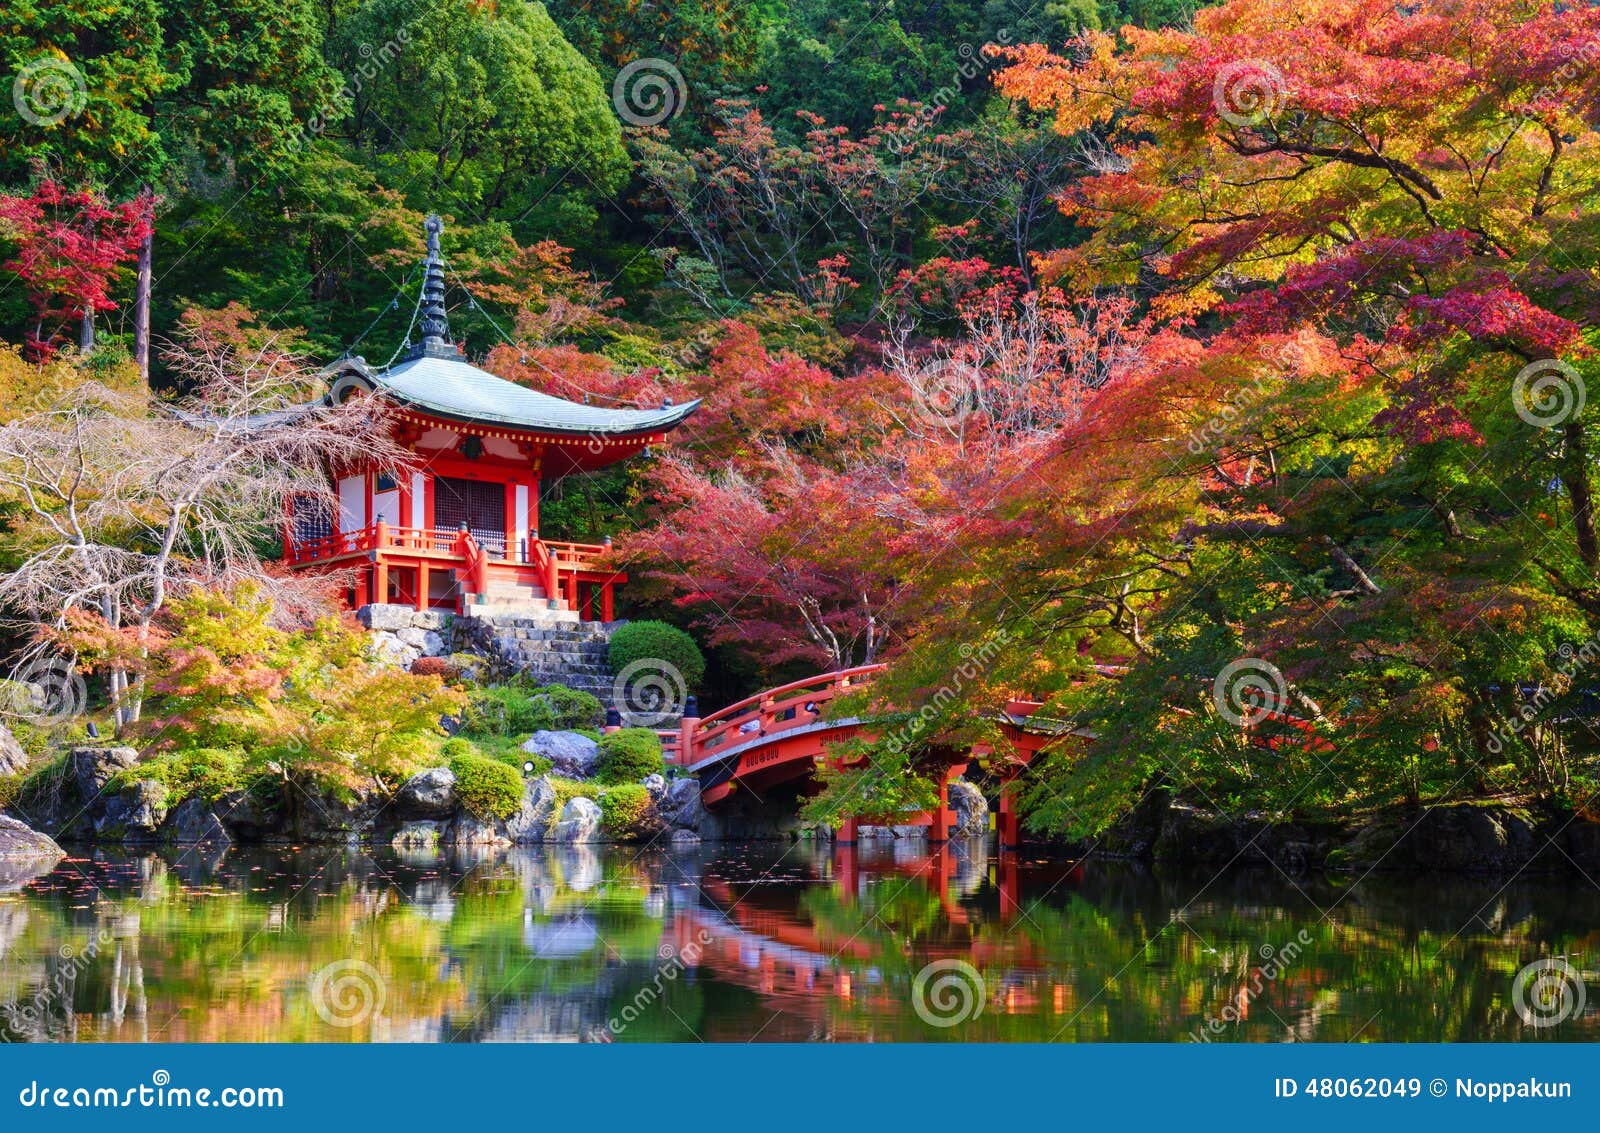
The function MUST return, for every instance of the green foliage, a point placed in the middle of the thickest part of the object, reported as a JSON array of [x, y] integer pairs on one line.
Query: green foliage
[[658, 641], [303, 704], [487, 104], [876, 779], [628, 755], [207, 773], [627, 811], [500, 711], [486, 787]]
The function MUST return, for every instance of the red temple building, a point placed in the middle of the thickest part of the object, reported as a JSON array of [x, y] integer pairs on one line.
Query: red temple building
[[460, 531]]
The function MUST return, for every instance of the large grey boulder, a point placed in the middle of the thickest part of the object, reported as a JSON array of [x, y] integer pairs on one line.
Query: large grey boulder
[[23, 843], [386, 616], [571, 754], [679, 806], [972, 810], [193, 823], [13, 759], [427, 794], [137, 811], [527, 827], [580, 822], [93, 767]]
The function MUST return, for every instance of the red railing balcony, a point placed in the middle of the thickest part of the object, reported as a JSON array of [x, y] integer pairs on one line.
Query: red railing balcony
[[439, 543]]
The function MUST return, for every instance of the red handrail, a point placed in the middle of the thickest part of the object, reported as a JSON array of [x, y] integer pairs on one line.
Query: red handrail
[[564, 556], [774, 710]]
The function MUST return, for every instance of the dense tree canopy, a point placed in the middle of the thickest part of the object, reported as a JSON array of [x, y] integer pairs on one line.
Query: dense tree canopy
[[1081, 338]]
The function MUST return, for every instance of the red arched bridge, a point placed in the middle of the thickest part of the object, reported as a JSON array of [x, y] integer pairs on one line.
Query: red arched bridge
[[782, 734]]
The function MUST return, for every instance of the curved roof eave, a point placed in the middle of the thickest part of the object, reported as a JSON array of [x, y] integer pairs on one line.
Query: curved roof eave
[[456, 390]]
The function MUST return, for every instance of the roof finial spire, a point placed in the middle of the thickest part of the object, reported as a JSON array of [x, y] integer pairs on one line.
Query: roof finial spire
[[435, 325]]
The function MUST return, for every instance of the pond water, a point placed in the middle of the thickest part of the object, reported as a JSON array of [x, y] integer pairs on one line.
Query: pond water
[[775, 943]]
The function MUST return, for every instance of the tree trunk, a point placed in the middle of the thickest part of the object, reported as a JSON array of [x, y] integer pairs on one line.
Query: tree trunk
[[1575, 473], [86, 333], [141, 310]]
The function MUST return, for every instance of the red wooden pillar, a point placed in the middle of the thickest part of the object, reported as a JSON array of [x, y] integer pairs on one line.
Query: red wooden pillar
[[846, 834], [944, 815], [686, 730], [380, 569], [511, 522], [608, 611], [424, 586], [1008, 823], [552, 583]]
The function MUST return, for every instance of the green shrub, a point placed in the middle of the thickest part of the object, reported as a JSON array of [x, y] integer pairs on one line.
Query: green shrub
[[486, 787], [657, 641], [44, 783], [518, 710], [627, 811], [204, 772], [629, 755], [572, 709], [505, 710]]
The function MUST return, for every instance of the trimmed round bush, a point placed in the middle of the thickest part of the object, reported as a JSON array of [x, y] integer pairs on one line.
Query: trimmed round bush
[[629, 755], [627, 811], [486, 787], [657, 641]]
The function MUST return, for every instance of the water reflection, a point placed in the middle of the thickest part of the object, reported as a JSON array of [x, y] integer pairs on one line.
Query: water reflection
[[763, 942]]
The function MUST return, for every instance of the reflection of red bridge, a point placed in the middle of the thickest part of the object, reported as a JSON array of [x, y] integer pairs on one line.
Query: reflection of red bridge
[[782, 734], [800, 965]]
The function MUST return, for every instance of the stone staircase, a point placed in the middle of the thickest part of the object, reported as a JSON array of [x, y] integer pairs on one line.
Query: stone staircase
[[550, 646], [505, 599]]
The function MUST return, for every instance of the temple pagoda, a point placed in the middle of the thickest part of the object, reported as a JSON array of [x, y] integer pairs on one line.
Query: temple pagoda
[[460, 530]]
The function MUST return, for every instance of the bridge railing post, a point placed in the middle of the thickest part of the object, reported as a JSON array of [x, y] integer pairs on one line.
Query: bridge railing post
[[686, 731]]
